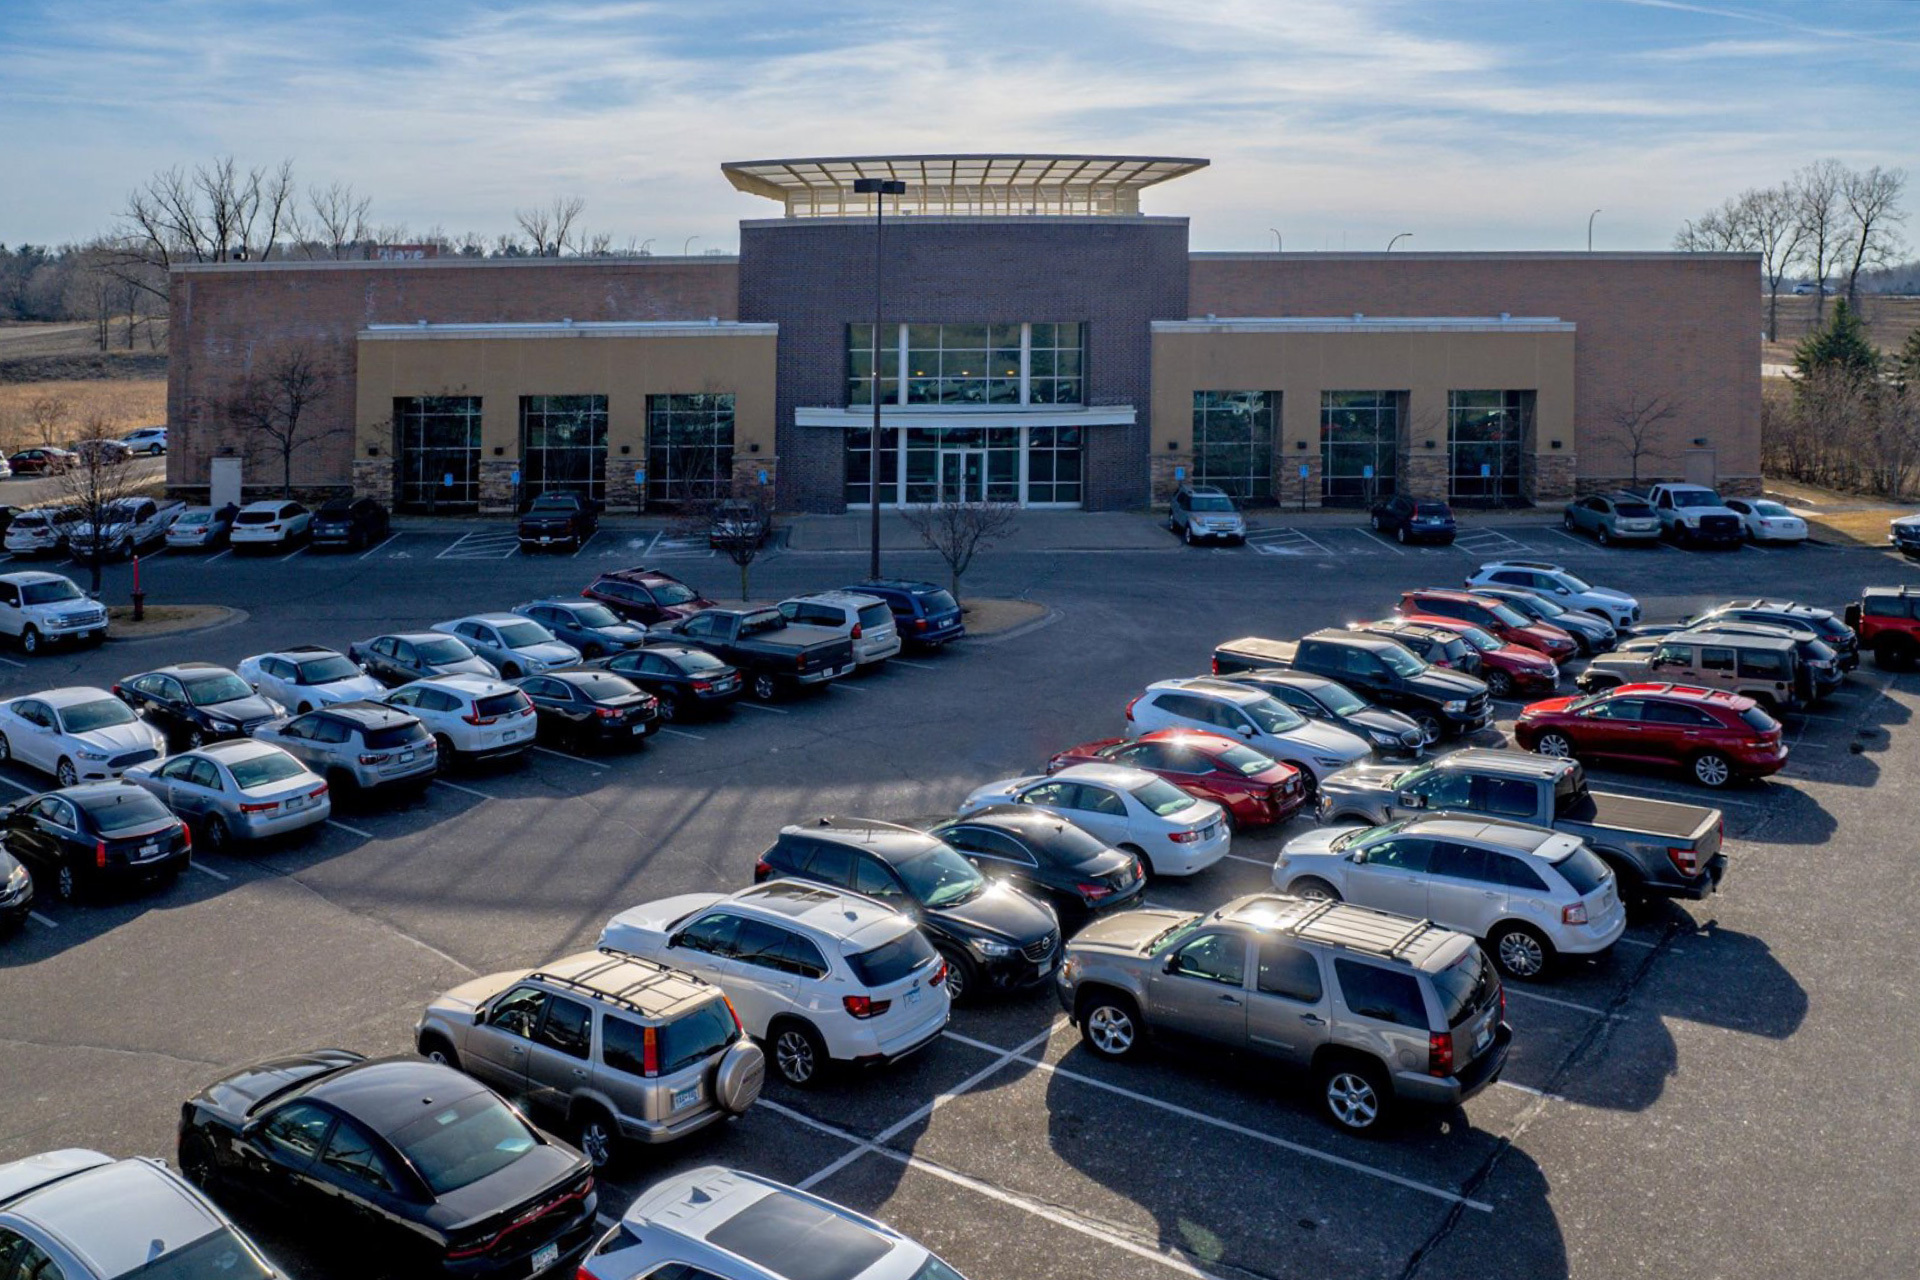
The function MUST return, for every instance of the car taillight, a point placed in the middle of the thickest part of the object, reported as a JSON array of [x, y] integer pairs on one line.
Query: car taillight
[[186, 836], [1440, 1052], [317, 792], [474, 717], [919, 624], [265, 807], [1131, 706], [867, 1006], [741, 1028], [762, 869], [1216, 665], [608, 713], [99, 853], [1093, 892], [650, 1052], [1183, 837], [374, 759], [939, 975], [1575, 914], [857, 633], [800, 660], [1685, 861]]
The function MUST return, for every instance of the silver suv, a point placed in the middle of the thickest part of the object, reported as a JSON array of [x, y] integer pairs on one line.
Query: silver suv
[[625, 1049], [1380, 1009], [364, 745], [1205, 511]]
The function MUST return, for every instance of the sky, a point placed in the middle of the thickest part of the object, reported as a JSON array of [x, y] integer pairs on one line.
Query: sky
[[1336, 123]]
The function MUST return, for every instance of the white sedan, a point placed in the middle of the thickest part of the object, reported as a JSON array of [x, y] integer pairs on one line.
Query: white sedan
[[269, 524], [1171, 832], [308, 676], [1768, 521], [78, 735]]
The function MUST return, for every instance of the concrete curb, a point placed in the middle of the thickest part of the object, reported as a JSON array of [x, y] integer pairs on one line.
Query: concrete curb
[[233, 618]]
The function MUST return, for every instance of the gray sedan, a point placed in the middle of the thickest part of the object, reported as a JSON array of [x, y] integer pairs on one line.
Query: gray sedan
[[239, 790], [1612, 517], [587, 625]]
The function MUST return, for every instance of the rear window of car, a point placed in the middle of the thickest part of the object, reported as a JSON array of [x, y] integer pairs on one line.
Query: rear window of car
[[500, 704], [891, 961], [1384, 994], [256, 517], [1162, 798], [1432, 509], [218, 1253], [602, 685], [1758, 720], [1464, 986], [1632, 510], [259, 771], [875, 615], [939, 602], [394, 735], [460, 1144], [697, 1036], [1583, 869], [123, 811]]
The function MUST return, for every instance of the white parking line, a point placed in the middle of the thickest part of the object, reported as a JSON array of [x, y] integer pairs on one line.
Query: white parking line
[[1564, 1004], [297, 551], [1529, 1089], [682, 733], [454, 786], [222, 556], [352, 831], [583, 543], [591, 764], [37, 918], [1382, 541], [390, 538], [849, 687], [658, 534], [206, 870], [1258, 862], [10, 662], [757, 706], [21, 785], [917, 666]]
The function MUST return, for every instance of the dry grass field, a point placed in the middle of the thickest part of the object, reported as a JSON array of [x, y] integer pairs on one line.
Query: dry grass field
[[125, 403], [63, 363], [1889, 321]]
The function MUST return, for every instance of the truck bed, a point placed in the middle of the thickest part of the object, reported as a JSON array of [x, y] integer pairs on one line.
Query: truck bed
[[1664, 818]]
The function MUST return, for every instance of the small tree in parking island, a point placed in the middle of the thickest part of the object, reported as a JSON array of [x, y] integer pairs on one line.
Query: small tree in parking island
[[735, 521], [959, 530], [101, 476]]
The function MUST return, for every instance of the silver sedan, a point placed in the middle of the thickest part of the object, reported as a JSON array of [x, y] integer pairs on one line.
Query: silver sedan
[[239, 790]]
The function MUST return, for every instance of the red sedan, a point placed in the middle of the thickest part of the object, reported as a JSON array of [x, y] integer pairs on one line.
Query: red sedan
[[1254, 789], [1491, 615], [1715, 736], [1506, 668]]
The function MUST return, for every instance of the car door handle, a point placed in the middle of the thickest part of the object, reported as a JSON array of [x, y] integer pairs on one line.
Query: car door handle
[[1225, 999], [516, 1048], [580, 1073], [1489, 893], [1312, 1019]]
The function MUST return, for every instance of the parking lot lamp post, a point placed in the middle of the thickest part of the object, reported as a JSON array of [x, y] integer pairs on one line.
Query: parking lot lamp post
[[879, 189]]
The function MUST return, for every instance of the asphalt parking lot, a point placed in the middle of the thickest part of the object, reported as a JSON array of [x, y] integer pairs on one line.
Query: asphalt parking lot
[[1728, 1092]]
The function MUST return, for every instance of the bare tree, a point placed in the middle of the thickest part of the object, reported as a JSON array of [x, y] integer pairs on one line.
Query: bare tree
[[959, 530], [1823, 227], [551, 227], [339, 220], [272, 406], [1775, 233], [219, 212], [102, 475], [1635, 426], [736, 520], [1722, 230], [47, 414], [1873, 208]]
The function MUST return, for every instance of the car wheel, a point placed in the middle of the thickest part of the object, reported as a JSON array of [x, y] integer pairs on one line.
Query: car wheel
[[1566, 521], [961, 984], [1888, 655], [669, 708], [1711, 769], [765, 687], [1557, 745], [1146, 863], [1313, 889], [1309, 784], [436, 1049], [443, 751], [1601, 536], [1401, 534], [6, 749], [1109, 1024], [1521, 952], [213, 830], [598, 1138], [196, 1160], [195, 738], [1430, 726], [1355, 1095], [303, 708], [30, 639], [1186, 535], [1376, 524], [511, 671], [66, 883], [66, 774], [1499, 683], [799, 1054]]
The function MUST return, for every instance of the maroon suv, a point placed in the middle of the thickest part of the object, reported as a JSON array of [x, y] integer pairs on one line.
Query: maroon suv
[[646, 596], [1715, 736], [1490, 615]]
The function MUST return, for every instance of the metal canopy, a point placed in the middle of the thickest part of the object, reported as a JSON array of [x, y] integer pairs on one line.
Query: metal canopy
[[960, 184]]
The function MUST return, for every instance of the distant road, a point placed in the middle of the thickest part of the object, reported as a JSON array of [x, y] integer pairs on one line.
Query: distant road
[[31, 491]]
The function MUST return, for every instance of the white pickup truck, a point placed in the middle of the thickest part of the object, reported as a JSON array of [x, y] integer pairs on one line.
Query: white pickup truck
[[1694, 513], [127, 525]]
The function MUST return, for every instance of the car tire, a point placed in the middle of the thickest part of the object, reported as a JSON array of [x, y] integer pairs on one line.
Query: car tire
[[1314, 889], [68, 884], [1109, 1023], [1888, 655], [1499, 683], [799, 1054], [1521, 952], [6, 749], [1711, 769], [1431, 729], [1627, 882], [1186, 534], [1376, 524], [443, 751], [1355, 1095], [197, 1163], [1566, 521], [65, 774], [213, 830], [669, 708], [766, 687], [591, 651], [1146, 863], [1401, 534], [194, 738], [597, 1134], [30, 639], [1601, 536]]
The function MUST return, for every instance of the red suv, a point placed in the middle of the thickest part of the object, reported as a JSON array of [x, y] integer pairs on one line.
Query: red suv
[[646, 595], [1717, 736], [1254, 789], [1490, 615], [1887, 621], [1506, 668]]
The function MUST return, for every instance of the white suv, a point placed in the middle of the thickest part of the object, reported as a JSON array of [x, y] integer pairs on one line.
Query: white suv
[[308, 676], [866, 620], [469, 716], [1258, 718], [1555, 583], [36, 607], [814, 972]]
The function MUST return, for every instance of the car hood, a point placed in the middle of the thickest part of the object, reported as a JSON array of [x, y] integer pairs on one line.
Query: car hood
[[1547, 633], [1001, 912], [1358, 779], [622, 633], [675, 612], [352, 689], [1318, 842], [116, 738], [1441, 682], [1386, 721], [1001, 792], [1329, 739], [642, 929], [1906, 522], [1518, 655], [1128, 931], [242, 710], [552, 652], [1585, 623], [1547, 707], [1610, 593], [475, 666]]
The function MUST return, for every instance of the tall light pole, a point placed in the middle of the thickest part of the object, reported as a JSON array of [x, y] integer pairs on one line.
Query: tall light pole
[[1590, 218], [687, 247], [879, 189], [1397, 239], [1279, 245]]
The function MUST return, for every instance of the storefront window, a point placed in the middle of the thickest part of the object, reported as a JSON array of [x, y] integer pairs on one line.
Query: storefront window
[[689, 447], [1359, 444], [1486, 441], [563, 445], [969, 464], [982, 366], [437, 444], [1233, 441]]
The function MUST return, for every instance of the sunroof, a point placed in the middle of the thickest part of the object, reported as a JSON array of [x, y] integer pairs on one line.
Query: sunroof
[[799, 1240]]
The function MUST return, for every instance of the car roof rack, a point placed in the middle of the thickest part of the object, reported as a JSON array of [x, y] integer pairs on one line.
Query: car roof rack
[[1362, 929], [624, 996]]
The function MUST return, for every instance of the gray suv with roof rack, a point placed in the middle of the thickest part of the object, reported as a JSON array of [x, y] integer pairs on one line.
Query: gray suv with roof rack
[[365, 745], [626, 1049], [1381, 1010]]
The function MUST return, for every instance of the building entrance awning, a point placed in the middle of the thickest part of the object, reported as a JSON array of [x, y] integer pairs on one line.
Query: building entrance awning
[[860, 417]]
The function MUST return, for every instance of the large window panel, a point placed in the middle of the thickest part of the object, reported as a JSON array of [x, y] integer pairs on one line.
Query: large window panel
[[969, 365], [1233, 441], [689, 447], [1360, 444], [437, 444], [1487, 433], [563, 445]]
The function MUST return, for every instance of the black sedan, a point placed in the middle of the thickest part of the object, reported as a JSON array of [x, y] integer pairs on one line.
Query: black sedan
[[16, 892], [588, 707], [688, 682], [353, 523], [1318, 698], [1048, 857], [1414, 519], [404, 1161], [87, 838], [195, 703]]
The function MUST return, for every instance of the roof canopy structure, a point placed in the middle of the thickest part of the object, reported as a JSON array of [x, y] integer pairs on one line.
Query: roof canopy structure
[[960, 185]]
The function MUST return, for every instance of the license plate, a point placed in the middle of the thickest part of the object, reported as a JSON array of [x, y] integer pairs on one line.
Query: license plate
[[1046, 966], [544, 539], [296, 802], [545, 1256], [146, 850], [913, 995], [1485, 1038], [686, 1097], [406, 757], [638, 729]]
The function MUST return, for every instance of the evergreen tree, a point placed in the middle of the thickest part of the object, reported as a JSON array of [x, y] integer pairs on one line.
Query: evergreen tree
[[1907, 363], [1839, 347]]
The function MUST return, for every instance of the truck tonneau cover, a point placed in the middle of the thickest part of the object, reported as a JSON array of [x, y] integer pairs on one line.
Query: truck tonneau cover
[[1665, 818]]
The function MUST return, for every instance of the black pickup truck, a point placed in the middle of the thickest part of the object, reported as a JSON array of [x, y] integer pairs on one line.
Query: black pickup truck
[[775, 656], [1656, 848], [559, 518], [1441, 702]]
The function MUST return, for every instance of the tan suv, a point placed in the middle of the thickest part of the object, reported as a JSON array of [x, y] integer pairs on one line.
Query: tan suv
[[1764, 668], [625, 1049], [1378, 1008]]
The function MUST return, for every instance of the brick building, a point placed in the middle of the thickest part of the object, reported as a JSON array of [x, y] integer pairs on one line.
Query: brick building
[[1043, 342]]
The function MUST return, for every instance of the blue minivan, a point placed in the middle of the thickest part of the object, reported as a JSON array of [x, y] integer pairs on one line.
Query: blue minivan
[[927, 615]]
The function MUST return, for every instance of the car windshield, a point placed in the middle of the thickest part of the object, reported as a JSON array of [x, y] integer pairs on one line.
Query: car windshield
[[1173, 936], [463, 1143], [594, 615], [1366, 833], [1484, 641], [54, 592], [1576, 584], [1583, 870], [1163, 798], [1401, 662], [1464, 986], [940, 877], [1632, 510], [1212, 502], [104, 713], [1538, 606], [263, 770], [1696, 498], [444, 649], [218, 1253], [1340, 700], [1506, 613], [891, 961], [934, 1269], [1270, 715], [224, 686], [1243, 760], [327, 670], [520, 635], [123, 809], [671, 592]]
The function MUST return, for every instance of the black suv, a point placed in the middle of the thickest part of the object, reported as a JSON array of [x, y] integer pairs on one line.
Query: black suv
[[925, 613], [353, 523], [197, 702], [991, 934]]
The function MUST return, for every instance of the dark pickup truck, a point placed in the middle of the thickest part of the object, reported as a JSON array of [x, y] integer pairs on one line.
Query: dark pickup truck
[[1656, 848], [1441, 702], [559, 518], [775, 656]]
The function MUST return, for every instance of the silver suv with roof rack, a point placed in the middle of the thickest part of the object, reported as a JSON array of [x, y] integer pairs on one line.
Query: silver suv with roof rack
[[1379, 1009], [625, 1049]]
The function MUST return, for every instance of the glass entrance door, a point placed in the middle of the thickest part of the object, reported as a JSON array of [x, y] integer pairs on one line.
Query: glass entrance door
[[963, 475]]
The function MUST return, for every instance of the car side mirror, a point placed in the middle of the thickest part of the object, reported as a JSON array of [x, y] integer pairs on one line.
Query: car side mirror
[[1357, 856], [1412, 800], [673, 939], [1170, 965], [1246, 731]]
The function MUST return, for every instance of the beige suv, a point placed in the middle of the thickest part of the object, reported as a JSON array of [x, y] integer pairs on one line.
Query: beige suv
[[625, 1049], [1377, 1008], [1764, 668]]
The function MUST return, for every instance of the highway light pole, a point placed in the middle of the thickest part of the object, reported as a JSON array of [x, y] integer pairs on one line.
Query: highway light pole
[[879, 189]]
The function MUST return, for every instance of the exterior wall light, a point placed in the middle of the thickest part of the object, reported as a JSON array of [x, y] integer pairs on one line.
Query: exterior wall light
[[626, 448], [1433, 444], [1554, 443], [499, 450], [373, 451], [1173, 446], [1699, 442], [753, 446]]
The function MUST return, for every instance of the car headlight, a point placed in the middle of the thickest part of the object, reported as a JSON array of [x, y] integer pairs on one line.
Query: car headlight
[[990, 949], [1455, 707], [1329, 762], [17, 879], [1384, 738], [85, 754]]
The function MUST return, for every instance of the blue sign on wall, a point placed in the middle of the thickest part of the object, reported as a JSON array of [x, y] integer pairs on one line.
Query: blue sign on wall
[[516, 477], [446, 480], [640, 476], [1305, 471], [763, 475], [1486, 469], [1366, 473], [1179, 473]]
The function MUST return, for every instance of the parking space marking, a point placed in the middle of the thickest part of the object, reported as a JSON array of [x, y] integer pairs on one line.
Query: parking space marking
[[10, 662], [1490, 542], [591, 764], [1047, 1213], [203, 869], [1530, 1090], [1066, 1073], [1368, 533], [682, 733], [297, 551], [849, 687], [583, 543], [222, 556], [917, 666], [454, 786], [1286, 541], [390, 538], [756, 706], [1587, 1009], [482, 545], [1258, 862], [37, 918], [352, 831], [21, 785], [1678, 796]]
